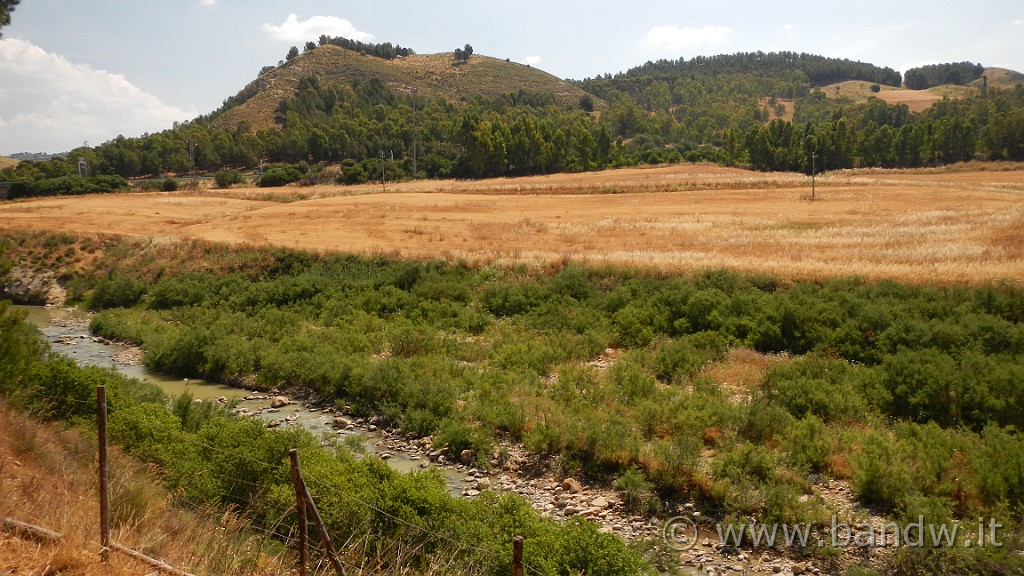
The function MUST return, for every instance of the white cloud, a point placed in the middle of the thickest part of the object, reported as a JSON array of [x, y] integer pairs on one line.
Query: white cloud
[[675, 38], [532, 60], [787, 27], [1017, 22], [294, 30], [207, 2], [51, 104]]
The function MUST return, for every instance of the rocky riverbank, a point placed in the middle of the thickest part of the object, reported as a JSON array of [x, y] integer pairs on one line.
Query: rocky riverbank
[[25, 286], [510, 468]]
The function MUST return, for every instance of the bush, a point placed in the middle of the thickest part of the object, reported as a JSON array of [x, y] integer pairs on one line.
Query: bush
[[809, 444], [67, 185], [352, 172], [637, 493], [279, 176], [118, 292], [169, 185], [879, 478], [226, 179]]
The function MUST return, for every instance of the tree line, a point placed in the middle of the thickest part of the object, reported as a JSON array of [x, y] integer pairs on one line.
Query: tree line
[[729, 113], [818, 70], [960, 73]]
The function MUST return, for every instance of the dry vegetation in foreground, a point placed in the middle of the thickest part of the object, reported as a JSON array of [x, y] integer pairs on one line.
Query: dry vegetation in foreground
[[48, 478], [958, 224]]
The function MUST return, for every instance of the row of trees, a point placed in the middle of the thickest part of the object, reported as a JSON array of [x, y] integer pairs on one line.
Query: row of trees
[[524, 134], [925, 77], [818, 70]]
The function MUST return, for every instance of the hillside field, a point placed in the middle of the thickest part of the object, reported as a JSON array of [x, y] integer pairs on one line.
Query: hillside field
[[927, 226]]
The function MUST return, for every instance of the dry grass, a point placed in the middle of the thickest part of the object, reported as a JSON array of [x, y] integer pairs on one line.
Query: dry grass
[[960, 224], [48, 478], [6, 162], [742, 371]]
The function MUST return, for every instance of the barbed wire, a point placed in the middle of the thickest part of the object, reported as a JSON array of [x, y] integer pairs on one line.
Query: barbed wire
[[280, 466]]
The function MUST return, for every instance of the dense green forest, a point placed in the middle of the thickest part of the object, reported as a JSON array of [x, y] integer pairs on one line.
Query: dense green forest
[[910, 393], [717, 109]]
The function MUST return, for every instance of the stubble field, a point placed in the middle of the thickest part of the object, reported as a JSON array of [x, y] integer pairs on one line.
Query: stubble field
[[964, 224]]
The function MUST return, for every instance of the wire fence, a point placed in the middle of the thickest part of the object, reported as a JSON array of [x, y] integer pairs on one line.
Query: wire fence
[[321, 489]]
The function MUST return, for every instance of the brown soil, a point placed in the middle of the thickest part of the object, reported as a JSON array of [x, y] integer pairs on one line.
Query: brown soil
[[961, 225]]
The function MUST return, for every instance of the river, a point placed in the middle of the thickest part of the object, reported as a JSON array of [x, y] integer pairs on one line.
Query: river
[[67, 331]]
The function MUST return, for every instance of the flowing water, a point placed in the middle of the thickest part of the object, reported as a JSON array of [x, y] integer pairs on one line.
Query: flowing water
[[67, 331]]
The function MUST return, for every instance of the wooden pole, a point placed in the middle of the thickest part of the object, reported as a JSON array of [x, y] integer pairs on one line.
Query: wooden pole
[[159, 565], [300, 505], [29, 531], [101, 426], [517, 556], [332, 555]]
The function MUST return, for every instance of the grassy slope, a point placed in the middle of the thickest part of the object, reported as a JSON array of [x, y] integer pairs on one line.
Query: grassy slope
[[7, 162], [918, 100], [48, 478], [432, 75]]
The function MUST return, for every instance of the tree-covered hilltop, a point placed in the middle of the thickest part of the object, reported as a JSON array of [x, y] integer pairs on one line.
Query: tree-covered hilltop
[[801, 71], [959, 73]]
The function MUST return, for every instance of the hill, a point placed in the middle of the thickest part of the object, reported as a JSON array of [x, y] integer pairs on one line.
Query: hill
[[430, 75], [919, 100], [1001, 78], [915, 100], [6, 162]]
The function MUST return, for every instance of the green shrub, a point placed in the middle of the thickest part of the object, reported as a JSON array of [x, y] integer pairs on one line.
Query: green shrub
[[279, 176], [637, 493], [227, 178], [631, 382], [458, 435], [809, 444], [352, 172], [117, 292], [512, 299], [21, 347], [879, 477]]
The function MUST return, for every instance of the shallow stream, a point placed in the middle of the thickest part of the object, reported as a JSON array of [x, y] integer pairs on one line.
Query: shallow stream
[[67, 331]]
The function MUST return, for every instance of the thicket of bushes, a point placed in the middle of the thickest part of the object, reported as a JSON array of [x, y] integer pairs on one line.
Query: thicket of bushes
[[912, 393], [66, 185], [388, 522]]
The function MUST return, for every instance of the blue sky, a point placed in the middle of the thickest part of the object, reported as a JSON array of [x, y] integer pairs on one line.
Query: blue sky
[[72, 72]]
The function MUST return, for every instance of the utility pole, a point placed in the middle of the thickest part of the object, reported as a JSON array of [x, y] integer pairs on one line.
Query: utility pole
[[414, 91], [192, 157], [813, 170]]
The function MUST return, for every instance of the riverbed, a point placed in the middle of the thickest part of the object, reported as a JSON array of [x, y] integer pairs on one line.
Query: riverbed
[[67, 331]]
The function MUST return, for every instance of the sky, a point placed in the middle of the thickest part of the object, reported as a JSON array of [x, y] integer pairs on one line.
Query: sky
[[77, 72]]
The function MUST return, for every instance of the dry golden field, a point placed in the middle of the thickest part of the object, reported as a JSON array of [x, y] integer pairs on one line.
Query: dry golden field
[[959, 224]]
